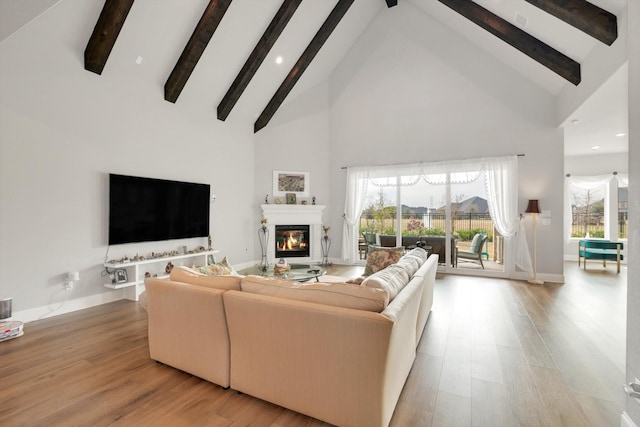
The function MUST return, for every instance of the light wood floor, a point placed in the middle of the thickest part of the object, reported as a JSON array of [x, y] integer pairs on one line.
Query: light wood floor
[[494, 353]]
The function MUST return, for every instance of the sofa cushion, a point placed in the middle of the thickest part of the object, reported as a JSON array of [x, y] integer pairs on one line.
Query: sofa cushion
[[379, 258], [189, 275], [409, 264], [334, 294], [476, 243], [392, 279], [418, 253], [412, 260]]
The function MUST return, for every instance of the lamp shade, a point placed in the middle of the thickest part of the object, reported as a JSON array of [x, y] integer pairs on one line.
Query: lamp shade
[[533, 207]]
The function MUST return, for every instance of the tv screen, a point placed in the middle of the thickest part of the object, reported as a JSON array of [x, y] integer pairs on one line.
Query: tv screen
[[148, 209]]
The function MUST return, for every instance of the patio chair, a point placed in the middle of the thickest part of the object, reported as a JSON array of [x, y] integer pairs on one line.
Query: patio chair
[[368, 239], [475, 251]]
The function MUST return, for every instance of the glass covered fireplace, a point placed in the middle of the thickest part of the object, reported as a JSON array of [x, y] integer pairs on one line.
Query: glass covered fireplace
[[292, 241]]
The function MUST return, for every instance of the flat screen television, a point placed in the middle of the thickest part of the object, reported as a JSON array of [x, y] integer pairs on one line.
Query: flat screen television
[[148, 209]]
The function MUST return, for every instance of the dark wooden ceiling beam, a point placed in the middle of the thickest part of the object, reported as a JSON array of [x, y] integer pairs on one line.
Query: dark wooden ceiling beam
[[524, 42], [105, 34], [195, 47], [303, 62], [391, 3], [249, 69], [586, 17]]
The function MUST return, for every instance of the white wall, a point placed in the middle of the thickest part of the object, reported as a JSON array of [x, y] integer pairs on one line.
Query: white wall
[[633, 272], [412, 90], [63, 129]]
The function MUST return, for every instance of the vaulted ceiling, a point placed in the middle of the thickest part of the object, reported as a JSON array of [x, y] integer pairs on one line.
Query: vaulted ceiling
[[226, 50]]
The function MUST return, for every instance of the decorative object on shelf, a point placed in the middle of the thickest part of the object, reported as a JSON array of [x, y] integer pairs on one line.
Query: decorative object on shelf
[[291, 198], [266, 199], [290, 182], [282, 266], [313, 200], [121, 276], [533, 208], [147, 275], [263, 237], [168, 268], [278, 201], [304, 202], [210, 259], [325, 245]]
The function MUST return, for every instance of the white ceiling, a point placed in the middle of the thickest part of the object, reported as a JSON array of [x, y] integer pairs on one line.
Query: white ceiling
[[600, 118]]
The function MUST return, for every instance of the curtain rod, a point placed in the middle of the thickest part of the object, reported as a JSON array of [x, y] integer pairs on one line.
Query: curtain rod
[[345, 167], [569, 175]]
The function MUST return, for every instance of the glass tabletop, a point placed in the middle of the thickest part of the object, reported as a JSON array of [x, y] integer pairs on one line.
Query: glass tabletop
[[299, 272]]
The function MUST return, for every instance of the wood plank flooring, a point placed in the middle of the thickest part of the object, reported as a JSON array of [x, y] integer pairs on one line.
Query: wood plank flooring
[[494, 353]]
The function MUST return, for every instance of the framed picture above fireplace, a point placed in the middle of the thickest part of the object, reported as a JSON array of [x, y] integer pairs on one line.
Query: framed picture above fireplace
[[296, 183]]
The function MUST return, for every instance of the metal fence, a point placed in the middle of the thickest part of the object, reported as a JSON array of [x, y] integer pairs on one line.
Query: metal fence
[[594, 225], [433, 223]]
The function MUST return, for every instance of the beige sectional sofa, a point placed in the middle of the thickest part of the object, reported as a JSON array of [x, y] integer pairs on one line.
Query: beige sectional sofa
[[334, 351]]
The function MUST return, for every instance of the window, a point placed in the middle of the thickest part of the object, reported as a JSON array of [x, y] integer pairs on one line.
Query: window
[[587, 211], [597, 206], [623, 211]]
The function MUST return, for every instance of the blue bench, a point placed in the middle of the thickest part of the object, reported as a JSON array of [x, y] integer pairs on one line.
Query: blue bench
[[604, 250]]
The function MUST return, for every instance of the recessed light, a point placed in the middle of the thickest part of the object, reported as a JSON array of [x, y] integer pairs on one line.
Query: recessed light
[[139, 60], [574, 121], [620, 134], [595, 147], [279, 60]]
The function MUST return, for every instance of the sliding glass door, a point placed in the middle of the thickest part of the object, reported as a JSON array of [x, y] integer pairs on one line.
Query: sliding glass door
[[446, 208]]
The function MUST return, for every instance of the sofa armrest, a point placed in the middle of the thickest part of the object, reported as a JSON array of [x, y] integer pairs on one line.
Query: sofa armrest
[[188, 329]]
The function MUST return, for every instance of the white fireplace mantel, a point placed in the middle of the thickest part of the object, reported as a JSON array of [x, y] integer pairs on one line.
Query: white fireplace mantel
[[295, 215]]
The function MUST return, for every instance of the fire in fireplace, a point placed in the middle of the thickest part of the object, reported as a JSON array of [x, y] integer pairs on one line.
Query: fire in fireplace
[[292, 241]]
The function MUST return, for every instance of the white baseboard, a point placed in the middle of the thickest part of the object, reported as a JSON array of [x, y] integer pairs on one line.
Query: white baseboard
[[69, 306], [625, 421]]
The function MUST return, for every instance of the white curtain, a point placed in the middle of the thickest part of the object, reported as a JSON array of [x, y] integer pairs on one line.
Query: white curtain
[[502, 194], [577, 183], [357, 179], [623, 179]]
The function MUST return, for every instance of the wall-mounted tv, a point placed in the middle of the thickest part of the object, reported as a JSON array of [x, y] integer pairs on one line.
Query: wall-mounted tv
[[148, 209]]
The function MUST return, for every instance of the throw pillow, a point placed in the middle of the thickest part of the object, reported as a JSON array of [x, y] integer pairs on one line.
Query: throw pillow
[[475, 243], [355, 280], [214, 270], [379, 258], [189, 275], [392, 279]]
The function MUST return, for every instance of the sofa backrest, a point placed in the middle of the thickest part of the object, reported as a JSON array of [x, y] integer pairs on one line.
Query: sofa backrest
[[427, 275], [336, 294]]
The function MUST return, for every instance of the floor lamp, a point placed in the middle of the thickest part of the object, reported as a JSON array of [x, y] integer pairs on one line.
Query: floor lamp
[[533, 208]]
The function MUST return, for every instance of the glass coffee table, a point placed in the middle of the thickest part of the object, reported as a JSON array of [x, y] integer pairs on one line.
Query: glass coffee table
[[298, 272]]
